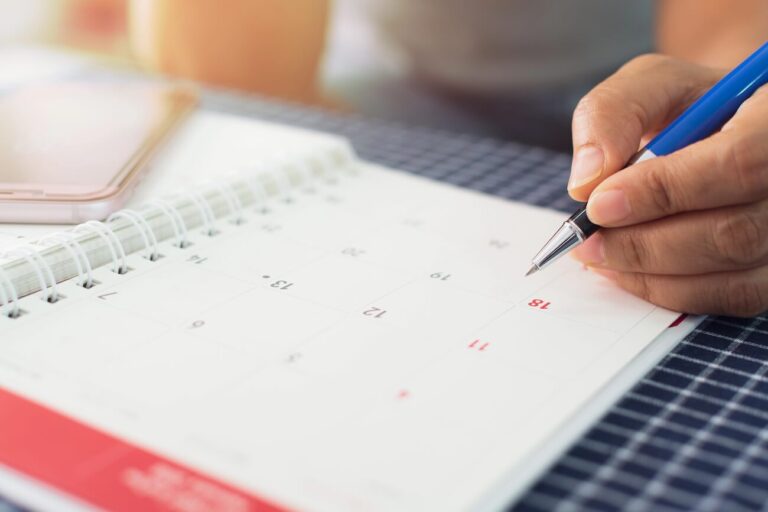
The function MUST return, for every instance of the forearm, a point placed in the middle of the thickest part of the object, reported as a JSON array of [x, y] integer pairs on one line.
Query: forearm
[[715, 33], [270, 46]]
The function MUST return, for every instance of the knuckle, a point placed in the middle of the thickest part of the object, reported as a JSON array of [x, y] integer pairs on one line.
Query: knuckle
[[740, 238], [634, 252], [638, 284], [746, 160], [608, 112], [743, 297], [647, 61], [603, 99], [659, 186], [591, 104]]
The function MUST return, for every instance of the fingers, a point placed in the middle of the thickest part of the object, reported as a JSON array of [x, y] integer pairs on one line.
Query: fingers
[[610, 121], [687, 231], [729, 168], [687, 244], [742, 293]]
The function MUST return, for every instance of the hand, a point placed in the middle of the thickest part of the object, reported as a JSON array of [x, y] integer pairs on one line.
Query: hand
[[687, 231]]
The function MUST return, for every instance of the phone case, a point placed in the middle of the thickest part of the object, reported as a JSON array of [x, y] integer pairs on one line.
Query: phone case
[[73, 151]]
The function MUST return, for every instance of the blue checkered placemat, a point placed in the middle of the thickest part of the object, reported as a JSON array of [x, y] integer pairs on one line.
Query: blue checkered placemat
[[691, 435], [7, 506]]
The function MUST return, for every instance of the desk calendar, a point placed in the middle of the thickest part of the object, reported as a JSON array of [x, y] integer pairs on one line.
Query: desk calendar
[[299, 330]]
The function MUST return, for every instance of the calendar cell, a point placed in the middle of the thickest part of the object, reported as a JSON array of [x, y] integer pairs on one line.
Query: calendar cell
[[252, 253], [58, 343], [581, 296], [346, 283], [558, 347], [172, 369], [194, 287], [264, 322], [431, 306]]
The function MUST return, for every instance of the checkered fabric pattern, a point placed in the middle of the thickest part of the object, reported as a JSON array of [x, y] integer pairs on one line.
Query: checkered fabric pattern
[[691, 435], [7, 506]]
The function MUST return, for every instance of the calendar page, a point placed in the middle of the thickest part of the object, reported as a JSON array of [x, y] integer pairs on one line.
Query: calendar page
[[365, 345]]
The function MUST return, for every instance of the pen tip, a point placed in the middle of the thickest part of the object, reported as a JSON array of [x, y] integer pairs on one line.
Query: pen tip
[[532, 270]]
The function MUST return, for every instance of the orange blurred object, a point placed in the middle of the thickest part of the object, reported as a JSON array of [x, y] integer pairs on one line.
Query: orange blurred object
[[270, 46], [98, 25]]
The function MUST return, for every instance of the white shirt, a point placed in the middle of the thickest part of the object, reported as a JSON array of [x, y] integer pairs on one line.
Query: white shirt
[[513, 46]]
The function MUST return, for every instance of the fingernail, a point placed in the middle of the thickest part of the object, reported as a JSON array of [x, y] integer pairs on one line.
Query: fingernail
[[608, 207], [587, 166], [591, 252], [608, 274]]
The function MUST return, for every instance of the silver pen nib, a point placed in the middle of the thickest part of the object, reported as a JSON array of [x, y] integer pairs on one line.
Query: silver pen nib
[[564, 239], [532, 270]]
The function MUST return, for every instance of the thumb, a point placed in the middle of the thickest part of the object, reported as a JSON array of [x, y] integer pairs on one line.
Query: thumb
[[611, 120]]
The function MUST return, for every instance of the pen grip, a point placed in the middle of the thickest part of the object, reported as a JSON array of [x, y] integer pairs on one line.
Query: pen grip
[[581, 221]]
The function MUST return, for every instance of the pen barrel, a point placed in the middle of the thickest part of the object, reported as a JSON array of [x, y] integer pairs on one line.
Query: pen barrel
[[710, 112], [582, 222]]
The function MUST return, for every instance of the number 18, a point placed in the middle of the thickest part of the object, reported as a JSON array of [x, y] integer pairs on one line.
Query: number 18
[[539, 304]]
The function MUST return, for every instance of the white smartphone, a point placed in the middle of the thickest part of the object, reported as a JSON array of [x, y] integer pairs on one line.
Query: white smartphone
[[72, 152]]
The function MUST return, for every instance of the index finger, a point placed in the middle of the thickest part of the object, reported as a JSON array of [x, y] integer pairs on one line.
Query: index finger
[[610, 121], [729, 168]]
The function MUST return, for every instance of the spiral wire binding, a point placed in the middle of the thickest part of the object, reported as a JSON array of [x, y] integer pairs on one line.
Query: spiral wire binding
[[306, 170], [42, 271], [258, 190], [179, 226], [10, 300], [280, 177], [119, 264], [83, 265], [235, 205], [301, 169], [115, 239], [143, 227], [4, 297], [206, 213], [255, 179]]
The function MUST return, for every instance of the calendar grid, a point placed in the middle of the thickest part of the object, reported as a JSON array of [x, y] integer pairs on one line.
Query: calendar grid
[[717, 445]]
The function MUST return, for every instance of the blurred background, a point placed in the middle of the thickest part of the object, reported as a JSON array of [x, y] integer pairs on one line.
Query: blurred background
[[509, 69], [92, 25], [100, 29], [359, 69]]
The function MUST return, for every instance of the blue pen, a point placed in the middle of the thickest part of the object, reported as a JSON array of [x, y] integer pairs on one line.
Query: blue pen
[[706, 116]]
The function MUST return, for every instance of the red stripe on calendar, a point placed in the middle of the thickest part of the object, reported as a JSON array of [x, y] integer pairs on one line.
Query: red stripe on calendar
[[103, 470], [678, 320]]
